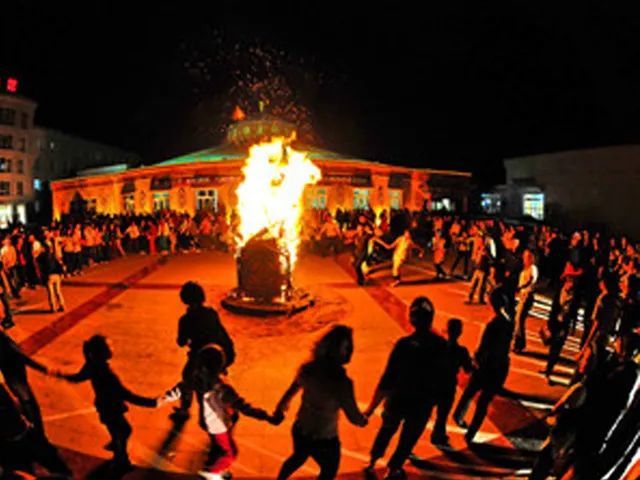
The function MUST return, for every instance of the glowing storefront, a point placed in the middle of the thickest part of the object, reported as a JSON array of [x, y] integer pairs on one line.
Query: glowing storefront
[[207, 179]]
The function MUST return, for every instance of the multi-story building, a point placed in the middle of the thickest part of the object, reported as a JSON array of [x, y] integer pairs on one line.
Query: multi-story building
[[16, 152], [60, 155], [31, 157]]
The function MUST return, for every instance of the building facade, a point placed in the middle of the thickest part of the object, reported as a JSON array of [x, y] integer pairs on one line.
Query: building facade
[[60, 155], [16, 153], [208, 179], [595, 187]]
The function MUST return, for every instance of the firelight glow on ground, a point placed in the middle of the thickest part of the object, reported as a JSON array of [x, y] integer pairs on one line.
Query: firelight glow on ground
[[134, 301]]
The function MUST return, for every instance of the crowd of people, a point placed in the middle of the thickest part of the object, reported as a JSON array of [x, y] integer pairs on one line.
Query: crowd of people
[[43, 256], [592, 281]]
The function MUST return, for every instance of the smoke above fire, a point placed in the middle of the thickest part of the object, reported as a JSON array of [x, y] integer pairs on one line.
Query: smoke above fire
[[271, 194]]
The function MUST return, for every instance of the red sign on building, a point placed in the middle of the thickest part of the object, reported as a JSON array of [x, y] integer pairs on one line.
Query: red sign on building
[[12, 85]]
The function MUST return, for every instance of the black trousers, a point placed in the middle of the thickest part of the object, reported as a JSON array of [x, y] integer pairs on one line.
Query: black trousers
[[559, 334], [187, 390], [412, 416], [120, 431], [522, 312], [16, 379], [444, 408], [488, 384], [464, 256], [359, 258], [325, 452], [4, 299]]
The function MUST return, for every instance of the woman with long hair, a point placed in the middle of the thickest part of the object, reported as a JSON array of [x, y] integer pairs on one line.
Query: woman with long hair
[[326, 389]]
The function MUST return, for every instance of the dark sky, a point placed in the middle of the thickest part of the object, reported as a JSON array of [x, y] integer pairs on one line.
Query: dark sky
[[459, 85]]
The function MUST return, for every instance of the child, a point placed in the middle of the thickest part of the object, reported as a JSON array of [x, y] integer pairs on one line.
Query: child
[[458, 357], [111, 396], [219, 409]]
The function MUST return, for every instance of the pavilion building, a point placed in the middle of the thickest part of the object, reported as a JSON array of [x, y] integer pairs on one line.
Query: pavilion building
[[208, 179]]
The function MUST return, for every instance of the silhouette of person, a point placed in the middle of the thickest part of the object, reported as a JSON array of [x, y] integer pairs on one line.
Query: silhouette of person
[[326, 389], [111, 396], [199, 326], [457, 357], [410, 386], [22, 445], [13, 364], [492, 359]]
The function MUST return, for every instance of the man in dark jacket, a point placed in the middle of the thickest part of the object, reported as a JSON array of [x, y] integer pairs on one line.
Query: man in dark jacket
[[492, 358], [411, 386], [199, 326]]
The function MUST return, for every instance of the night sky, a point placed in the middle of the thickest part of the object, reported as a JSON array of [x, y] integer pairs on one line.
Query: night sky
[[460, 85]]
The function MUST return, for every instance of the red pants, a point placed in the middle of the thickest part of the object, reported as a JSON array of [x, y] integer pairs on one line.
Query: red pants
[[222, 453]]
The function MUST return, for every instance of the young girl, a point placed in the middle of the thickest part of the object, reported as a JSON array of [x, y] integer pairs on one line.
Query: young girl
[[111, 396], [219, 409]]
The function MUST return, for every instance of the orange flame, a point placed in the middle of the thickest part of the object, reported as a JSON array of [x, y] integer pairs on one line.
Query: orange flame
[[270, 196], [238, 114]]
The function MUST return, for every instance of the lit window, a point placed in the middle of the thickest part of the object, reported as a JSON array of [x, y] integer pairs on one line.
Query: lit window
[[6, 215], [491, 203], [37, 184], [5, 165], [161, 201], [7, 116], [360, 198], [129, 202], [395, 199], [533, 205], [5, 189], [207, 199], [318, 198], [6, 141]]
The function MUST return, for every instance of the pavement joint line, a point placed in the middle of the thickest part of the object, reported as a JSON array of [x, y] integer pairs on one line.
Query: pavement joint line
[[73, 413], [47, 334], [273, 455]]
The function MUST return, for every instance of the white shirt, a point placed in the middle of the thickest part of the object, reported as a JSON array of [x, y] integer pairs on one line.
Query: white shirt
[[213, 414], [527, 280], [36, 249]]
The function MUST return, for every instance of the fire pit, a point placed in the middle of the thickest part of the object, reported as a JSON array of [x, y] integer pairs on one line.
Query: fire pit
[[269, 208]]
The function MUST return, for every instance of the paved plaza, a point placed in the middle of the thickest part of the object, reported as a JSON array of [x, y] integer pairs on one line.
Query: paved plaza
[[134, 302]]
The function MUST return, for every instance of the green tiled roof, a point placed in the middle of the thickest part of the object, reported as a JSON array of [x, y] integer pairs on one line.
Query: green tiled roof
[[216, 154], [233, 152]]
